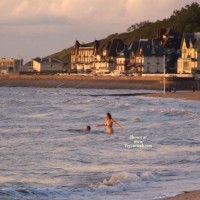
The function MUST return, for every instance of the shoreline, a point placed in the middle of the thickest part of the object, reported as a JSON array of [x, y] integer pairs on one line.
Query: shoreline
[[193, 195], [97, 82], [183, 87], [81, 82], [185, 95]]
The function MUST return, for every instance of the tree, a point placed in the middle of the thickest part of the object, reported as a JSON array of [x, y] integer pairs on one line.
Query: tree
[[137, 26]]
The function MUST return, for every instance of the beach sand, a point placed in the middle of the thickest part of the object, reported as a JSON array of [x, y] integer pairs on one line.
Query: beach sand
[[194, 195], [187, 95], [97, 82]]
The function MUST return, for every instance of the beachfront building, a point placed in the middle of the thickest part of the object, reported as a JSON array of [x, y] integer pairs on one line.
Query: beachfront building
[[82, 57], [97, 57], [103, 65], [170, 39], [47, 65], [107, 56], [133, 48], [189, 62], [10, 65], [122, 61], [150, 56]]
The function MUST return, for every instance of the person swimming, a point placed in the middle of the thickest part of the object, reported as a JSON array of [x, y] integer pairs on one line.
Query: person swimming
[[88, 128], [109, 123]]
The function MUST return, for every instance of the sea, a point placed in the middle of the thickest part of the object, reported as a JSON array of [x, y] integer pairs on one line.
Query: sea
[[46, 154]]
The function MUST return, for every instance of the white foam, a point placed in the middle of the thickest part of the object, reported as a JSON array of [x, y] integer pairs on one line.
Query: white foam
[[124, 181]]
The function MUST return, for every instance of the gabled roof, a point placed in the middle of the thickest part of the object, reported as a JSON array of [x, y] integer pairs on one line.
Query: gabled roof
[[188, 37], [124, 53], [113, 47], [194, 38], [47, 60], [169, 37], [116, 45], [133, 46], [151, 48], [146, 47]]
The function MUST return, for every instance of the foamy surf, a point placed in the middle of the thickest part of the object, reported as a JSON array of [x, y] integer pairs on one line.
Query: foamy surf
[[124, 181]]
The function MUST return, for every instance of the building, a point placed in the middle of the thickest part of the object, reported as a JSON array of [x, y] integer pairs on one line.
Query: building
[[170, 39], [133, 48], [82, 56], [189, 62], [122, 62], [97, 57], [47, 65], [149, 56], [10, 65], [107, 56]]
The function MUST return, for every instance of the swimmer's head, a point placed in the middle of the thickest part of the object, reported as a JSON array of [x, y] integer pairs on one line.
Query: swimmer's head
[[88, 128], [108, 115]]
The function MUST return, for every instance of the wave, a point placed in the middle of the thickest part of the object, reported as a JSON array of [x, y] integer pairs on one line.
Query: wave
[[124, 181], [117, 182], [82, 131]]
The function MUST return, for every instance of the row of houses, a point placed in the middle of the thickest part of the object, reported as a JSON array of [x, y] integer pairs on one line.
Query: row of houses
[[179, 54], [39, 65]]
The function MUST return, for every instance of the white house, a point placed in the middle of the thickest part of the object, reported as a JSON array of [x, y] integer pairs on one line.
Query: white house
[[150, 56], [47, 65]]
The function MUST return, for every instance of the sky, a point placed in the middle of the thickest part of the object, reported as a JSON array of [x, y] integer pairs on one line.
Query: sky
[[39, 28]]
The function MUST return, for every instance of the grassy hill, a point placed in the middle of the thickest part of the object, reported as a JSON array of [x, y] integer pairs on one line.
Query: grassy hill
[[184, 20]]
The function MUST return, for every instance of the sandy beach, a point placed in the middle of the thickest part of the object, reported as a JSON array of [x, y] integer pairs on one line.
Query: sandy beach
[[194, 195], [184, 89], [187, 95], [97, 82]]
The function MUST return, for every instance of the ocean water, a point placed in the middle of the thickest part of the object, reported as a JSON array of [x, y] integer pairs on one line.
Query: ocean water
[[45, 154]]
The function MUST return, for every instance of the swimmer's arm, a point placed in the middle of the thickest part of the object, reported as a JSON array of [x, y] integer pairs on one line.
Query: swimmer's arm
[[100, 125], [116, 123]]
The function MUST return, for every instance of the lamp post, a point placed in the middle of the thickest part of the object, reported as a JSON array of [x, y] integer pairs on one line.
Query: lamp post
[[164, 87]]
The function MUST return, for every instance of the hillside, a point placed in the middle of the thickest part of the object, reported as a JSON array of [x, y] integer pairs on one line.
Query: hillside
[[184, 20]]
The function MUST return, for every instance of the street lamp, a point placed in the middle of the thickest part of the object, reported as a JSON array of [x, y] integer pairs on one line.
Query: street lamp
[[164, 87]]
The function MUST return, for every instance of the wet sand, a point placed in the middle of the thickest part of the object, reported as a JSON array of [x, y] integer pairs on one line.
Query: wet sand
[[187, 95], [81, 82], [194, 195]]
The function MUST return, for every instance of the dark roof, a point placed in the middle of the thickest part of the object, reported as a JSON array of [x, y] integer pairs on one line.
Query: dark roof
[[47, 60], [151, 47], [116, 46], [172, 37], [112, 46], [95, 43], [188, 37], [133, 46], [194, 38], [124, 53]]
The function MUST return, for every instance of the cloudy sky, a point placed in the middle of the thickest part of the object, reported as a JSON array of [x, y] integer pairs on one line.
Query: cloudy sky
[[31, 28]]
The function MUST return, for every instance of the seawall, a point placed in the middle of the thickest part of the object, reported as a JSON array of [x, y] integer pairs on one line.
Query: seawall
[[97, 82]]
